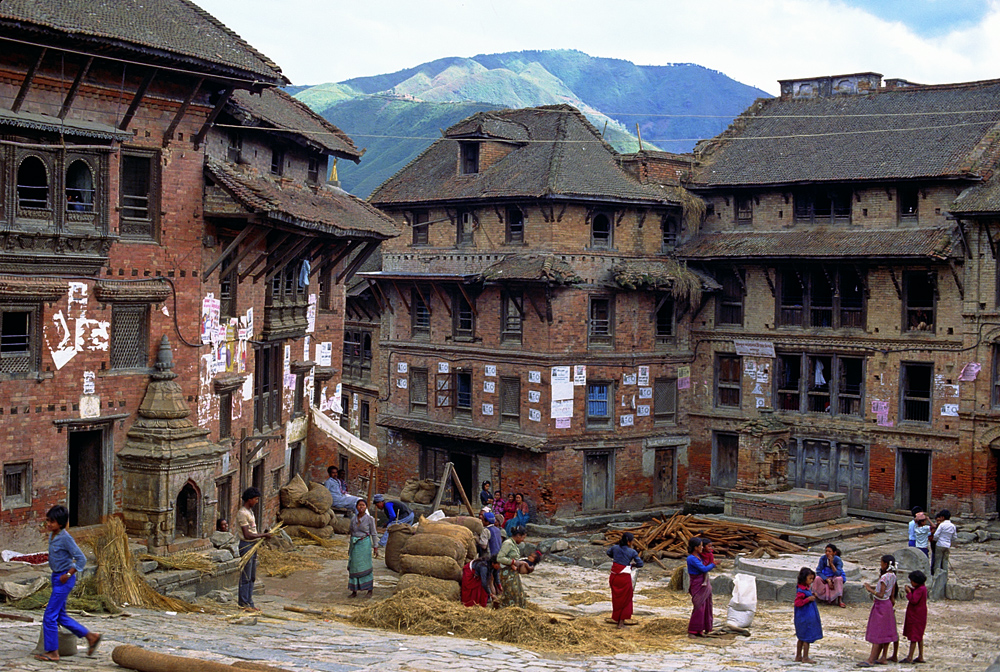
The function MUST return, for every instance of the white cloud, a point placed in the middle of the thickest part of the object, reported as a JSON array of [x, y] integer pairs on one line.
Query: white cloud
[[756, 43]]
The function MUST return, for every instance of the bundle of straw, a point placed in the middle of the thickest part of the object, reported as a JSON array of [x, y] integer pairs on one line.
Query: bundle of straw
[[256, 545], [194, 561], [119, 580], [283, 564]]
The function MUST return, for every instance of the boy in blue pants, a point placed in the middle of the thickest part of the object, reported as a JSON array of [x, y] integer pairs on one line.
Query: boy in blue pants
[[65, 560]]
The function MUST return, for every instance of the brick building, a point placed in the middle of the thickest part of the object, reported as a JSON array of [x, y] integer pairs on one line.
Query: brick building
[[128, 217], [849, 225], [533, 323]]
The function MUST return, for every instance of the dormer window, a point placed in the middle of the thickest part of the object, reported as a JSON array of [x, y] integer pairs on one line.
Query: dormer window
[[277, 161], [234, 151], [515, 226], [313, 175], [909, 199], [600, 230], [470, 157]]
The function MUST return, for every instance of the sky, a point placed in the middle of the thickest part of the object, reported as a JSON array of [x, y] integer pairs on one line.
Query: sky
[[756, 42]]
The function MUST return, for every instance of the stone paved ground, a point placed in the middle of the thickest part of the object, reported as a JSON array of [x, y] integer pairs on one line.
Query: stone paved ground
[[961, 636]]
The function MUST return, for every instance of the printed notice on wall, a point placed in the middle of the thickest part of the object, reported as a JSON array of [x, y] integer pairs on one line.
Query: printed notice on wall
[[642, 411], [580, 374], [562, 408], [562, 423], [311, 314], [949, 409], [560, 375], [629, 379], [534, 396], [969, 372], [489, 386], [534, 415], [535, 377], [628, 420], [443, 367], [683, 377], [643, 376], [324, 354], [401, 383], [210, 307], [645, 393], [750, 348], [487, 409], [491, 370], [402, 367]]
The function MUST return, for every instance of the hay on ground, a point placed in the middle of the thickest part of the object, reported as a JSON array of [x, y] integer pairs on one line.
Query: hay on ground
[[282, 563], [83, 598], [418, 612], [194, 561], [587, 598], [118, 579]]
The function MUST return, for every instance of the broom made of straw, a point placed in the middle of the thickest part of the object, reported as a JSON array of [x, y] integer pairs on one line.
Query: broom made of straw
[[245, 558]]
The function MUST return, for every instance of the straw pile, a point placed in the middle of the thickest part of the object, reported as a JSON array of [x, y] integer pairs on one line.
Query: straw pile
[[119, 580], [418, 612], [195, 561], [83, 598], [329, 549], [257, 544], [282, 563]]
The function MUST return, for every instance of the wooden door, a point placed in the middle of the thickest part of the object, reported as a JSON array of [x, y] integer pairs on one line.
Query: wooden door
[[596, 490], [665, 483]]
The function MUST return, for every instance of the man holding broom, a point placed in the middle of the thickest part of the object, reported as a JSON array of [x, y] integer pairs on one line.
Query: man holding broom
[[246, 524]]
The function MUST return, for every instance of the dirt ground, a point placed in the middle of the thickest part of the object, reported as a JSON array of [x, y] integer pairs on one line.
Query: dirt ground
[[960, 635]]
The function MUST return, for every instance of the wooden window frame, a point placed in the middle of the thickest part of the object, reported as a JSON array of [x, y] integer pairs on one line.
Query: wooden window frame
[[463, 325], [514, 235], [417, 388], [601, 331], [420, 228], [465, 229], [598, 421], [915, 315], [510, 397], [908, 203], [600, 242], [839, 312], [810, 205], [268, 385], [729, 302], [28, 360], [908, 401], [511, 319], [743, 209], [665, 334], [469, 155], [668, 387], [722, 385], [20, 471], [136, 227], [420, 320]]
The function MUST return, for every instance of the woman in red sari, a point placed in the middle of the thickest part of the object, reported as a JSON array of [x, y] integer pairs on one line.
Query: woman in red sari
[[625, 558], [477, 580], [701, 588]]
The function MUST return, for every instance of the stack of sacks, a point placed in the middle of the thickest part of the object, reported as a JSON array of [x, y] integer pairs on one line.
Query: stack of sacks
[[307, 508], [433, 558], [421, 492]]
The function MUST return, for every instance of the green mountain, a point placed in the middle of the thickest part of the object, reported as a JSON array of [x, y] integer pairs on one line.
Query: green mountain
[[396, 116]]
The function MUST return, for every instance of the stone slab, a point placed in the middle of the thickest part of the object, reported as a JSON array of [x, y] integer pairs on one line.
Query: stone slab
[[585, 521], [786, 568]]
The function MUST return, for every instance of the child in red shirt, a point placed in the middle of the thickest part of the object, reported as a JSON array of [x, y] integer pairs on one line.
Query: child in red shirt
[[916, 615]]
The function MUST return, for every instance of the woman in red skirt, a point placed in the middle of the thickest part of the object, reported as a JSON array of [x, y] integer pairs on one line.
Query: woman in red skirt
[[625, 558]]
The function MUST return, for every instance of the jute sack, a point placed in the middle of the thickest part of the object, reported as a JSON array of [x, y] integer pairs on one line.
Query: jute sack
[[398, 535], [305, 517], [435, 544], [474, 524], [449, 590], [341, 525], [440, 567], [458, 532], [291, 494], [318, 498], [410, 489]]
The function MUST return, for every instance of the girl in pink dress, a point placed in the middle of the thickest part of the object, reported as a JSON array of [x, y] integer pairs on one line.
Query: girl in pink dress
[[882, 620]]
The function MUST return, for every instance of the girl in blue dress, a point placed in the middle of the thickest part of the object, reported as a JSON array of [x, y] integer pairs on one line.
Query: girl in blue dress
[[808, 628]]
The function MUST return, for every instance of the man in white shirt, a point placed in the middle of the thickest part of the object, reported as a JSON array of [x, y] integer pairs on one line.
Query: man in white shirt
[[944, 535]]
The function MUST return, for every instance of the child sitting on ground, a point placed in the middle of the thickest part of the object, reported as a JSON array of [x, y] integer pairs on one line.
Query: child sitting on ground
[[915, 620], [526, 565]]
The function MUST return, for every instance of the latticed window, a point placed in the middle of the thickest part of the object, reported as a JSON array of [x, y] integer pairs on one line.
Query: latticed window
[[267, 381], [598, 404], [138, 205], [16, 484], [510, 400], [665, 401], [19, 335], [465, 323], [225, 415], [421, 314], [129, 336], [418, 390], [601, 326], [512, 317]]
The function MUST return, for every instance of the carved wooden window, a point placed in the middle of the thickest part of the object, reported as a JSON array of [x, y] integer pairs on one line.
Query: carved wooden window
[[601, 228], [20, 332], [819, 383], [33, 184], [130, 336], [515, 226], [80, 192], [139, 194]]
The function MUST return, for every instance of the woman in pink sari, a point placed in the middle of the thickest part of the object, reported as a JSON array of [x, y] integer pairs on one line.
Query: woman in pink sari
[[829, 583], [701, 589]]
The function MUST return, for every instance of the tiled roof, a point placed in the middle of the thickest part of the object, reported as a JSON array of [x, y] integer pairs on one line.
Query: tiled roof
[[936, 243], [178, 27], [276, 108], [979, 198], [896, 133], [659, 274], [331, 211], [562, 155], [453, 430], [70, 127], [533, 268]]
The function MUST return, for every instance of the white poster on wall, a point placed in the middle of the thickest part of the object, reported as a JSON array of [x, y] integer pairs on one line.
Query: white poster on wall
[[534, 396], [643, 375], [580, 374], [562, 408], [535, 377]]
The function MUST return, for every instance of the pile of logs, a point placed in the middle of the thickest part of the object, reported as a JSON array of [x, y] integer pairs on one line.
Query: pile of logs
[[669, 538]]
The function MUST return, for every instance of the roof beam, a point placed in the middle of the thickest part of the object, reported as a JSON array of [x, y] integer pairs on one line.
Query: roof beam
[[168, 135], [281, 261], [268, 252], [958, 279], [232, 247], [362, 257], [444, 301], [75, 88], [140, 93], [221, 103], [376, 292], [26, 84], [472, 304]]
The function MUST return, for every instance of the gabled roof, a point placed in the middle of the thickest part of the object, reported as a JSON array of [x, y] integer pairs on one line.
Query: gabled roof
[[328, 210], [275, 108], [894, 133], [176, 27], [556, 153], [930, 243]]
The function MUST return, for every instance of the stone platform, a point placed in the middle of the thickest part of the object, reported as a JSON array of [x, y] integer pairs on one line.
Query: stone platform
[[786, 568], [795, 508]]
